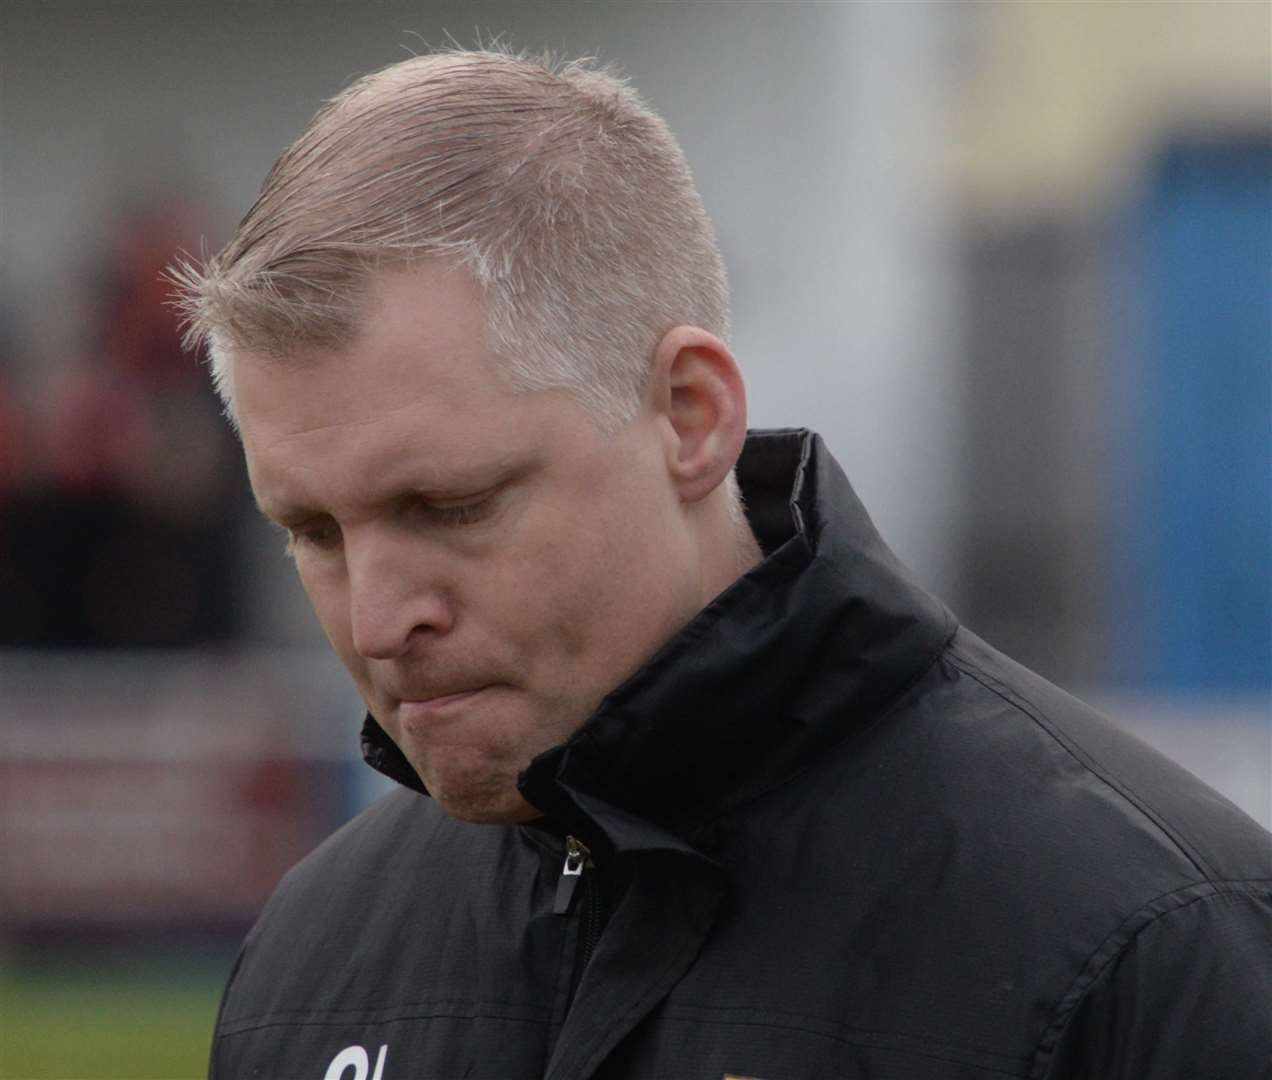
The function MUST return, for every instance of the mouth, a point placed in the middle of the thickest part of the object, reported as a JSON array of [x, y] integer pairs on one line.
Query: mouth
[[413, 711]]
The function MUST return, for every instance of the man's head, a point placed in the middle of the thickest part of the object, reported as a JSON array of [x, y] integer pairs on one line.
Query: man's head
[[565, 197], [472, 333]]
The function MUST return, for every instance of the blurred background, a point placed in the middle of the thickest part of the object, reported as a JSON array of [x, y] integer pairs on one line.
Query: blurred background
[[1013, 260]]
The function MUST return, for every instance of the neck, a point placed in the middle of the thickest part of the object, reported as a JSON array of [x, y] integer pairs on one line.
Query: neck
[[728, 548], [749, 554]]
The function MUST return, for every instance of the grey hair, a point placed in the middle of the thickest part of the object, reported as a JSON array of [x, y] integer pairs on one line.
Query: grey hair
[[568, 200]]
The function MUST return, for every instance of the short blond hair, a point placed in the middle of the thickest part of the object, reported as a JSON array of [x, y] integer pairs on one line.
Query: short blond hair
[[568, 200]]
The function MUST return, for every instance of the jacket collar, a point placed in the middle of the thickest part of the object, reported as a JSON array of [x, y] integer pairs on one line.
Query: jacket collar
[[800, 653]]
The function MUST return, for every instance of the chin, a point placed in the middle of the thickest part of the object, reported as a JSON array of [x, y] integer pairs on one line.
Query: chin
[[482, 806], [486, 814]]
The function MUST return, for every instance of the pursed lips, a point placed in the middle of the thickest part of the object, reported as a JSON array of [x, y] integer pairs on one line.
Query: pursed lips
[[423, 708], [442, 699]]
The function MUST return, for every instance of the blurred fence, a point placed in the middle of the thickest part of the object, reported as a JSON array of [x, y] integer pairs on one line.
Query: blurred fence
[[165, 790]]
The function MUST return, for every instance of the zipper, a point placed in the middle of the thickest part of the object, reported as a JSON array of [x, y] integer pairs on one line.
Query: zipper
[[570, 885], [577, 859]]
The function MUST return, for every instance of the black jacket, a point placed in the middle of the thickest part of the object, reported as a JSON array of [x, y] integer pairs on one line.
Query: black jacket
[[831, 835]]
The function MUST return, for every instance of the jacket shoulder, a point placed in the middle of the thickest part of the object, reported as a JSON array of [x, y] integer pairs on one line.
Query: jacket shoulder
[[1185, 995], [339, 912], [981, 861], [373, 935], [1183, 821], [367, 844], [1165, 885]]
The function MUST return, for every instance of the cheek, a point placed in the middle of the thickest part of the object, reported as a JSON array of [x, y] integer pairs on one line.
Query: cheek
[[608, 592], [553, 590], [570, 595]]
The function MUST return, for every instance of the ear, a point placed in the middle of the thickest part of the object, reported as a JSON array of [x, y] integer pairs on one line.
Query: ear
[[697, 390]]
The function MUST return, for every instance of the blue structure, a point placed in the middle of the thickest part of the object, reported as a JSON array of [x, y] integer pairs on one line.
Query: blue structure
[[1196, 519]]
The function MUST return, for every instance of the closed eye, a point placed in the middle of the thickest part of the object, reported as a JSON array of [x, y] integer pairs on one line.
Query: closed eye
[[320, 533], [464, 514], [420, 510]]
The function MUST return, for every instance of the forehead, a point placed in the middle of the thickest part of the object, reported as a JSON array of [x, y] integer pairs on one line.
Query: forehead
[[417, 388], [421, 332]]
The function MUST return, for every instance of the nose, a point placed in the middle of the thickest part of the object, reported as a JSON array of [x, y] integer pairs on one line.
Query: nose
[[397, 596]]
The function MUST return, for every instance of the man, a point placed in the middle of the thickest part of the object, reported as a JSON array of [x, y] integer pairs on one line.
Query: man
[[687, 790]]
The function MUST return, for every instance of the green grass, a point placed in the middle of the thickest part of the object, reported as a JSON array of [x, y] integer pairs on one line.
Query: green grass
[[93, 1018]]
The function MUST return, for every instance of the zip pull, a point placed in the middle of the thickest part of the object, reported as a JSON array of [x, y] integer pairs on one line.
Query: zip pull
[[576, 858]]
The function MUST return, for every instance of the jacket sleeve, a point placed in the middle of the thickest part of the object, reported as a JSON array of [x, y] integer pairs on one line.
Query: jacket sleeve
[[1189, 996]]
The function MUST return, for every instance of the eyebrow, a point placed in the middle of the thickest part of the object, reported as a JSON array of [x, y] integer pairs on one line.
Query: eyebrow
[[488, 477]]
